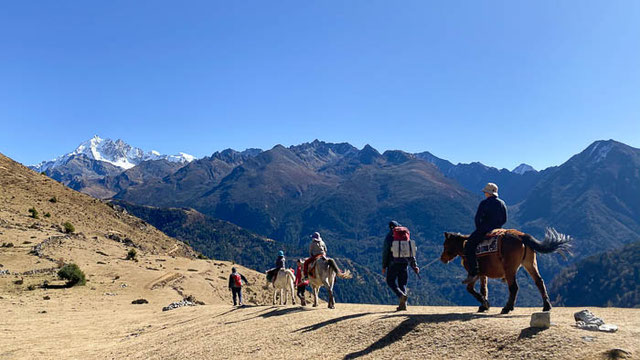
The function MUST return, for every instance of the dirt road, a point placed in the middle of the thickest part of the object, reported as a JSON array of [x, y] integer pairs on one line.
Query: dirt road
[[118, 330]]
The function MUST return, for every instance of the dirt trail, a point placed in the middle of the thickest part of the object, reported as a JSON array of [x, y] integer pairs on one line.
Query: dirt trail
[[116, 329]]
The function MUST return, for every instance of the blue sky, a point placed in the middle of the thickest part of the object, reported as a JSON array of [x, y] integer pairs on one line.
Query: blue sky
[[500, 82]]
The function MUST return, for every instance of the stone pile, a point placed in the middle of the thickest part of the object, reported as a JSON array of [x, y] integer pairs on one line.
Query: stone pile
[[178, 304]]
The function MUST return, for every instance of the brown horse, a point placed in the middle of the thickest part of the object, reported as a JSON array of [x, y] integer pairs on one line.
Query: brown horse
[[515, 249]]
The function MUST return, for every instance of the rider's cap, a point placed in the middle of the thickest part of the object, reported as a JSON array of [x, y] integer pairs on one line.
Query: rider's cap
[[233, 269], [280, 253], [315, 235], [491, 189], [393, 224]]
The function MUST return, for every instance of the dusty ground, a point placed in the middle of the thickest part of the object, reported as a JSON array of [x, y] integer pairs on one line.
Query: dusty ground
[[115, 329]]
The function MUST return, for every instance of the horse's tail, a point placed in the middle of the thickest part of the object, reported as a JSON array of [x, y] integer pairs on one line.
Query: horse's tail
[[342, 275], [553, 242]]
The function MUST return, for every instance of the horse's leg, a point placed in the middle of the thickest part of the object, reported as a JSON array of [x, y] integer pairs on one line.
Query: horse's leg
[[472, 291], [274, 295], [531, 265], [513, 290], [315, 296], [484, 291], [329, 284], [292, 289]]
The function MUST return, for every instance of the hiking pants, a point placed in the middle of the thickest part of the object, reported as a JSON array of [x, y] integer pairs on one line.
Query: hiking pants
[[475, 238], [301, 290], [397, 272], [237, 292]]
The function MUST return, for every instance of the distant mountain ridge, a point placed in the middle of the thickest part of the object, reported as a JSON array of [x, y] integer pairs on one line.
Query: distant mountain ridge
[[514, 185], [117, 153]]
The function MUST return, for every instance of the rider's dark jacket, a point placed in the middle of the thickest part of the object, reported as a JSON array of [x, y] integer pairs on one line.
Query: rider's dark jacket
[[280, 263], [491, 214]]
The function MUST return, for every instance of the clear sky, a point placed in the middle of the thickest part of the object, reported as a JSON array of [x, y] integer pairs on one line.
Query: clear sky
[[501, 82]]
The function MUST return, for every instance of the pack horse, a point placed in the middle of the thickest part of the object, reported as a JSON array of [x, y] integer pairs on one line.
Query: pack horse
[[323, 273]]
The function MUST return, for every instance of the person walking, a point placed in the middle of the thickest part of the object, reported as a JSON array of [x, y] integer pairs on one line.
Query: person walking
[[301, 282], [235, 285], [397, 254]]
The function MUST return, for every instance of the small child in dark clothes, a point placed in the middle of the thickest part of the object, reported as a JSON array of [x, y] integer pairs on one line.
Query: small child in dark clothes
[[235, 285]]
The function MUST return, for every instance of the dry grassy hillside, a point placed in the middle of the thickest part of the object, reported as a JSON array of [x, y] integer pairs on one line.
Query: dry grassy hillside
[[32, 250]]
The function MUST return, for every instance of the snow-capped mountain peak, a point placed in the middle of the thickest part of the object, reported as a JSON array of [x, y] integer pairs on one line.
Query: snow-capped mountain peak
[[523, 168], [118, 153]]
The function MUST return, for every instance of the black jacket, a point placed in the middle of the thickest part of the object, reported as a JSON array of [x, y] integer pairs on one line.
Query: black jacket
[[491, 214], [280, 262]]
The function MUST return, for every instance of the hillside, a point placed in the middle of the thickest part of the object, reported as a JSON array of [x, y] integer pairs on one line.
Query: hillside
[[594, 196], [33, 249], [608, 279]]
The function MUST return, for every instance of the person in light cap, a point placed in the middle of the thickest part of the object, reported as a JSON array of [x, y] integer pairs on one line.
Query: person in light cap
[[317, 249], [491, 214]]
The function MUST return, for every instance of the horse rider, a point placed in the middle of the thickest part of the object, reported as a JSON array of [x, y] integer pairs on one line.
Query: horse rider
[[317, 249], [396, 268], [280, 264], [491, 214]]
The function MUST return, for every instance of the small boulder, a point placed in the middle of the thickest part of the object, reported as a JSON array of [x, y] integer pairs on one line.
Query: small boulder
[[140, 301], [541, 320]]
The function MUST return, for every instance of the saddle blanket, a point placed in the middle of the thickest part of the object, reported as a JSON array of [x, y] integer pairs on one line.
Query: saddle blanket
[[491, 243], [488, 246]]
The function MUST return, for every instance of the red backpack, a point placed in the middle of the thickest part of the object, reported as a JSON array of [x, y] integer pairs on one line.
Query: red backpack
[[237, 280], [402, 247], [401, 233]]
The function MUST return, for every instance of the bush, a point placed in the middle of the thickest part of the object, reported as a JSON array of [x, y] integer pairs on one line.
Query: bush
[[73, 275], [201, 256], [53, 199], [7, 245], [68, 228], [47, 214], [34, 213], [131, 255]]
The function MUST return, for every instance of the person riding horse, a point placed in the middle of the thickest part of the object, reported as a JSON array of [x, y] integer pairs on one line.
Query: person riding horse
[[491, 215], [317, 249], [280, 264]]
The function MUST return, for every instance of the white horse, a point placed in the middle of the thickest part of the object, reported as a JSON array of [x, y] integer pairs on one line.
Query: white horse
[[284, 283], [325, 271]]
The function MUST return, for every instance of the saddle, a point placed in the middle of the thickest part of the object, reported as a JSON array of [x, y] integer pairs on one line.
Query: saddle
[[312, 264], [493, 241]]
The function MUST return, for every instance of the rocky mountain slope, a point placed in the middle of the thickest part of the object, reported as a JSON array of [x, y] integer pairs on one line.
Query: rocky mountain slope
[[594, 196]]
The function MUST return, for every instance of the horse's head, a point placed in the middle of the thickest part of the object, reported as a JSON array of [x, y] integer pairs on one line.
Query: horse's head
[[453, 246]]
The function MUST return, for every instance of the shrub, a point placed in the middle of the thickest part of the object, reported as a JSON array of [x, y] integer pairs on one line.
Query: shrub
[[47, 214], [201, 256], [73, 275], [131, 255], [34, 213], [68, 228], [7, 244], [53, 199]]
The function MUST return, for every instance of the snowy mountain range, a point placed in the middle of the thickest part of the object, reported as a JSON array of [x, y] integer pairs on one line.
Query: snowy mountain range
[[523, 168], [117, 153]]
